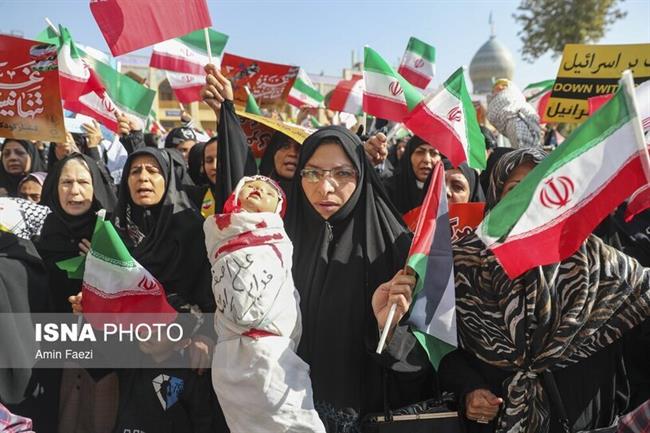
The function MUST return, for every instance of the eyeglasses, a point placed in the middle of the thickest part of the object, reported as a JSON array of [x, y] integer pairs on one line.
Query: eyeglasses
[[337, 176]]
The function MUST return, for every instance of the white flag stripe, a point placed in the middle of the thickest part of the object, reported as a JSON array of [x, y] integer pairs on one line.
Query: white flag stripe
[[411, 60], [113, 279], [589, 173]]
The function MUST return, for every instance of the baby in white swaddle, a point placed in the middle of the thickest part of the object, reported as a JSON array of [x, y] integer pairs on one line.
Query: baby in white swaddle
[[262, 385]]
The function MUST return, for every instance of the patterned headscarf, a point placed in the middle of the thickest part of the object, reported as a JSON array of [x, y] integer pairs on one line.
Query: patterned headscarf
[[513, 117], [506, 165]]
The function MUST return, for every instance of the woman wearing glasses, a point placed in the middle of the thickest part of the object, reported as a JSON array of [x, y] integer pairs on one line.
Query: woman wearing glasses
[[349, 247]]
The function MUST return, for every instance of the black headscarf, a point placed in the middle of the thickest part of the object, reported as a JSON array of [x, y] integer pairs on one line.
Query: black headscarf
[[195, 164], [337, 265], [505, 166], [179, 135], [402, 187], [9, 181], [167, 239], [62, 232], [492, 160], [475, 190], [267, 164]]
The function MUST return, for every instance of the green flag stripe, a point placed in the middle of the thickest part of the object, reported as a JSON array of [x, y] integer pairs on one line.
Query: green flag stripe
[[436, 349], [302, 87], [500, 220], [375, 63], [108, 246], [541, 84], [422, 49], [196, 40]]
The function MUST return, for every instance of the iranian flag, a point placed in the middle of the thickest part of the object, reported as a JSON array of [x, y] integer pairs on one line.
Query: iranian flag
[[114, 283], [387, 94], [538, 94], [128, 25], [418, 64], [304, 93], [546, 217], [432, 317], [186, 87], [640, 200], [188, 54], [447, 120], [95, 89], [347, 96]]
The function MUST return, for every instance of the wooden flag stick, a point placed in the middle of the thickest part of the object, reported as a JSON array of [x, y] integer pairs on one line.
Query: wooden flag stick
[[182, 107], [207, 44]]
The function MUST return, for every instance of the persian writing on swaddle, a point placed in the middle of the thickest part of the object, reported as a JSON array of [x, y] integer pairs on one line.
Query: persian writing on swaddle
[[591, 70], [30, 99]]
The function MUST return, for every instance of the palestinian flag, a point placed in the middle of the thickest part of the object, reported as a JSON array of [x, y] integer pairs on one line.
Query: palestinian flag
[[538, 94], [304, 92], [347, 96], [387, 94], [546, 217], [113, 282], [186, 87], [432, 317], [447, 120], [93, 88], [251, 104], [418, 65], [188, 54]]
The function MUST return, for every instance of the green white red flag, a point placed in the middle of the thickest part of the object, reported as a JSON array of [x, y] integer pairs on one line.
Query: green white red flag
[[418, 65], [347, 96], [114, 283], [432, 316], [447, 120], [640, 200], [304, 93], [387, 94], [186, 87], [93, 88], [128, 25], [538, 94], [188, 54], [546, 217]]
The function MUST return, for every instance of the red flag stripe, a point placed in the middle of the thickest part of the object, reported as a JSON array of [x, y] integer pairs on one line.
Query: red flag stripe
[[418, 80], [426, 226]]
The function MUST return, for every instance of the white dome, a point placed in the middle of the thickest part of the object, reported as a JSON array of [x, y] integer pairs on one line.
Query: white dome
[[491, 62]]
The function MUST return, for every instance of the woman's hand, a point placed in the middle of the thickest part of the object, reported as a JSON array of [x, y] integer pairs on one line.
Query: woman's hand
[[482, 406], [84, 247], [217, 88], [200, 350], [75, 302], [397, 291], [125, 125], [376, 148], [93, 132]]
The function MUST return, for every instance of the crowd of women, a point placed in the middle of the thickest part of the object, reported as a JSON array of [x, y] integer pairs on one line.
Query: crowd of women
[[562, 349]]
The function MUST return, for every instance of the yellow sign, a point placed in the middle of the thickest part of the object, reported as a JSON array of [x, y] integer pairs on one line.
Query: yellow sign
[[591, 70], [296, 132]]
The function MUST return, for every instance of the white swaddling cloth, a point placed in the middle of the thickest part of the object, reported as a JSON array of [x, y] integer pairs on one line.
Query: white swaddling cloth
[[262, 384]]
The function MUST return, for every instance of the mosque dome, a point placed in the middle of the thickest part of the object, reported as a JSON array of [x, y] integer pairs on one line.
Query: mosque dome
[[491, 62]]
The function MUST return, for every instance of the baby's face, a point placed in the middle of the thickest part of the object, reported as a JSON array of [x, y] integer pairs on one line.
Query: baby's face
[[258, 196]]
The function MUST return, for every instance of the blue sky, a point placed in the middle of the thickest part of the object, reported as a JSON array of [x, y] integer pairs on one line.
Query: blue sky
[[320, 35]]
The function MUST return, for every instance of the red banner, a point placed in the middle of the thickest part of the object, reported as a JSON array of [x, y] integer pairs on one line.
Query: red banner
[[269, 83], [30, 98], [463, 218], [128, 25]]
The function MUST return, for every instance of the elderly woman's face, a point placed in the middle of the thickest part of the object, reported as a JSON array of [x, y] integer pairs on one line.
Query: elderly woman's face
[[515, 177], [75, 188], [423, 159], [15, 158], [146, 182], [329, 179], [457, 186], [285, 159]]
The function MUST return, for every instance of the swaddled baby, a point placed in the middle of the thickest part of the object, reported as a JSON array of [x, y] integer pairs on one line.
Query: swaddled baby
[[262, 385]]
